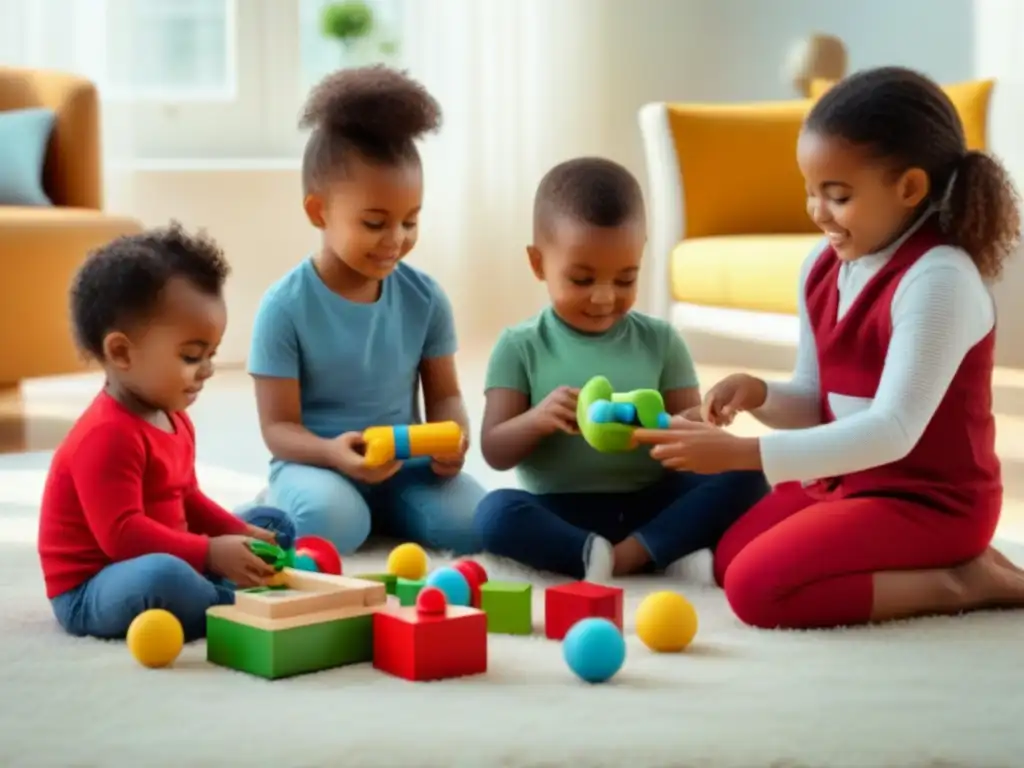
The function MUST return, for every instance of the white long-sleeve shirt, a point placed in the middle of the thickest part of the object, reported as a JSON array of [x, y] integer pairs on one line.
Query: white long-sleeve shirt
[[940, 310]]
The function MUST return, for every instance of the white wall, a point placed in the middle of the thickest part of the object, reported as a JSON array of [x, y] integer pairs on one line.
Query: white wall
[[652, 50]]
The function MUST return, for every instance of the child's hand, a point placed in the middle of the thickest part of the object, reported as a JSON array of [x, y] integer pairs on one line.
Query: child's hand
[[557, 412], [348, 459], [261, 533], [450, 465], [732, 395], [231, 558]]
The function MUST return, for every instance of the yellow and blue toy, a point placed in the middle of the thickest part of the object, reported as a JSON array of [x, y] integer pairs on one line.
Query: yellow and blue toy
[[398, 443]]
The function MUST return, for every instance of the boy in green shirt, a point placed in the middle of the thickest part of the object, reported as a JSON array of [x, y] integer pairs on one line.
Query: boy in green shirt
[[583, 513]]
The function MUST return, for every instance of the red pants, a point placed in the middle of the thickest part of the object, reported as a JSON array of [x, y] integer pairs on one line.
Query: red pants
[[796, 562]]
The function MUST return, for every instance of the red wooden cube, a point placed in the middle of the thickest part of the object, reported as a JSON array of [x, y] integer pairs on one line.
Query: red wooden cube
[[418, 646], [566, 604]]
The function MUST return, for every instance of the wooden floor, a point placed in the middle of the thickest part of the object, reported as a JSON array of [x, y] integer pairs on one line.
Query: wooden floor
[[37, 417]]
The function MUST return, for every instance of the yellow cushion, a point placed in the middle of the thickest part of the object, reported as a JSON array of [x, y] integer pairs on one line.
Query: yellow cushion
[[738, 163], [759, 273], [971, 99]]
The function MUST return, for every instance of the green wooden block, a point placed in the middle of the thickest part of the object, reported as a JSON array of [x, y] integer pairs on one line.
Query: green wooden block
[[408, 589], [509, 607], [278, 653], [389, 580]]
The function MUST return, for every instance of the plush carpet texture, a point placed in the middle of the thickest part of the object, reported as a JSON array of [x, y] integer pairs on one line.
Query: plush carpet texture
[[935, 692]]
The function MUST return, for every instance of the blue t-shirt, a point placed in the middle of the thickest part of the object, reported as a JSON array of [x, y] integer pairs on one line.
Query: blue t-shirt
[[357, 364]]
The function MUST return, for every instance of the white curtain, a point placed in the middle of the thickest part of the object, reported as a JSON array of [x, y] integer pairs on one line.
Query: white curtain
[[70, 36], [520, 85]]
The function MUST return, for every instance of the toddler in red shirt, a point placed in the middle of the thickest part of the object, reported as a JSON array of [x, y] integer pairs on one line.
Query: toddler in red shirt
[[124, 526]]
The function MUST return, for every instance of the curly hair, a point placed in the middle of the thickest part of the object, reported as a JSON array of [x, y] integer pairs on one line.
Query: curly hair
[[904, 117], [376, 112], [121, 282], [590, 190]]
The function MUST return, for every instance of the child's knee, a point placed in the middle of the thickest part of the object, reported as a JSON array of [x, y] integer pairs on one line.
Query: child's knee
[[343, 522], [752, 593], [495, 514]]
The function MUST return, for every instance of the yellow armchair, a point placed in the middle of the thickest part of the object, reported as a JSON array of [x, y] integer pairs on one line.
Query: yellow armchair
[[42, 247], [728, 219]]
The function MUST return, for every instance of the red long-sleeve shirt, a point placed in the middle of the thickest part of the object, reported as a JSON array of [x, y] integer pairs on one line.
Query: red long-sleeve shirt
[[120, 487]]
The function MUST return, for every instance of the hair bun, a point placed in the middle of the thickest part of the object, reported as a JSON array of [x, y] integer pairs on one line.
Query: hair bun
[[375, 104]]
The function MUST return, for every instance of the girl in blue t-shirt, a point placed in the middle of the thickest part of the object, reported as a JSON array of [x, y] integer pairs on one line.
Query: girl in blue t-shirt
[[345, 339]]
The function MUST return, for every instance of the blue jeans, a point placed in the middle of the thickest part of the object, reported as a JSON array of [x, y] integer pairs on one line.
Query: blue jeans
[[679, 515], [414, 505], [105, 605]]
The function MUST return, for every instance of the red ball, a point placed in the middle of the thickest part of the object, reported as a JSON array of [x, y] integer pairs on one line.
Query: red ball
[[431, 601], [323, 553], [475, 576]]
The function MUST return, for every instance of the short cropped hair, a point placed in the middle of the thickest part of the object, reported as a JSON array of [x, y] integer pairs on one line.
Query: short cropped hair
[[589, 190]]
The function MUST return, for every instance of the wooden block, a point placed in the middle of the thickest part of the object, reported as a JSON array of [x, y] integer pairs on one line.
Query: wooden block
[[389, 580], [420, 647], [509, 607], [406, 590], [566, 604], [276, 648], [307, 592]]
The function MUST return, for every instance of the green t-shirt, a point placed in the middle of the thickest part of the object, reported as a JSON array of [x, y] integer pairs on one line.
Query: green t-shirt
[[544, 353]]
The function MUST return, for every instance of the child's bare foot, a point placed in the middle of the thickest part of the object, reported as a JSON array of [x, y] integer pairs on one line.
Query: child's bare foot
[[990, 581], [630, 556]]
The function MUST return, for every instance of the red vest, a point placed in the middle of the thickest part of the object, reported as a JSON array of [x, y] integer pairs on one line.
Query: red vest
[[954, 465]]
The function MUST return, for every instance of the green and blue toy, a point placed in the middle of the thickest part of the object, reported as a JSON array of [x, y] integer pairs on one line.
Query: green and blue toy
[[607, 418]]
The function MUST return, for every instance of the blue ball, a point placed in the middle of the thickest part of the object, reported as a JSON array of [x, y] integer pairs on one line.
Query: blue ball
[[594, 649], [305, 563], [452, 583]]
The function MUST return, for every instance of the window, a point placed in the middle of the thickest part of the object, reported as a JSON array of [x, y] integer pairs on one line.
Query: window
[[170, 49]]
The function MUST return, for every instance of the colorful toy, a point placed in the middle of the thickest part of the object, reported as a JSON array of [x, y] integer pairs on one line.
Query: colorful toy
[[304, 562], [594, 649], [155, 638], [389, 580], [321, 551], [406, 590], [569, 603], [666, 622], [272, 554], [408, 561], [475, 575], [509, 607], [315, 621], [452, 583], [607, 418], [398, 443], [431, 641]]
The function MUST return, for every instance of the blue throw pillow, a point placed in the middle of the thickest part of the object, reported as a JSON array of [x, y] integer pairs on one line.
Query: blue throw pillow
[[24, 136]]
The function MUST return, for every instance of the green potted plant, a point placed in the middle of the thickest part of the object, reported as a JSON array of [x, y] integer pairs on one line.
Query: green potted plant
[[349, 22]]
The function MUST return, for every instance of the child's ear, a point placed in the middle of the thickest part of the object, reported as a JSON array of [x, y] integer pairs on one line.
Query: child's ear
[[314, 207], [536, 261], [913, 187], [117, 350]]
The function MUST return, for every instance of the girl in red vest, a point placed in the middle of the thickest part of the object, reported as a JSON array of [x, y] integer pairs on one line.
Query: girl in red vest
[[887, 488]]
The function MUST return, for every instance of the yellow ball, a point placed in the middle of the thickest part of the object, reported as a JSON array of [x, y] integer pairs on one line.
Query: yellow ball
[[666, 622], [408, 561], [155, 638]]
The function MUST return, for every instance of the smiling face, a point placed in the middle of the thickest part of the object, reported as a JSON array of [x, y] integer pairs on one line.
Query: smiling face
[[591, 272], [370, 215], [859, 201]]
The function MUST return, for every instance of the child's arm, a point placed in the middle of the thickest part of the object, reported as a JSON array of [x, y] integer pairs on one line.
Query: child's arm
[[107, 471], [510, 429], [274, 365], [679, 385], [439, 377], [941, 309]]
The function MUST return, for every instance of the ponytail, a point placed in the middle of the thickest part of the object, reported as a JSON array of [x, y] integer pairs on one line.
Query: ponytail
[[979, 211]]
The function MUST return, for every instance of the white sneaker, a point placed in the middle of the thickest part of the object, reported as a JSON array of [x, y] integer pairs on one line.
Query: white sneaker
[[695, 568], [599, 560]]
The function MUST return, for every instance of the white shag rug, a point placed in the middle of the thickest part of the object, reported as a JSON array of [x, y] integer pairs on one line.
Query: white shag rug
[[936, 692]]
